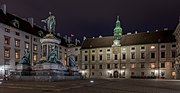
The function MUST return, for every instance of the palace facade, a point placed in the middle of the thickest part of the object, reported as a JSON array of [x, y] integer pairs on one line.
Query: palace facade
[[146, 54]]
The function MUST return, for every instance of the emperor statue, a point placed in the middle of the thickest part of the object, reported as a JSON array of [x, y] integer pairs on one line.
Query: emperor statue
[[51, 22]]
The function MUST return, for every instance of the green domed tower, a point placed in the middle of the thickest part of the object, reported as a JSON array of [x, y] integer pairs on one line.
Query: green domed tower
[[117, 34]]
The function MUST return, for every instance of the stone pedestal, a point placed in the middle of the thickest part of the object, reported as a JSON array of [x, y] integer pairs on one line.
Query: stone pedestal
[[22, 67]]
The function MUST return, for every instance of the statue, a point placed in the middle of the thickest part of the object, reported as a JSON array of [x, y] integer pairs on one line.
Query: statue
[[26, 57], [51, 22], [52, 58], [72, 61]]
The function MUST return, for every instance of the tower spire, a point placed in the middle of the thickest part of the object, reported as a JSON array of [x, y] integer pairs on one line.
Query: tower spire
[[117, 30]]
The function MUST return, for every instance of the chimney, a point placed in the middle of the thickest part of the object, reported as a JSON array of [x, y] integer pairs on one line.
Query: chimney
[[76, 41], [69, 39], [165, 28], [65, 37], [3, 7], [135, 32], [58, 34], [84, 38], [31, 21]]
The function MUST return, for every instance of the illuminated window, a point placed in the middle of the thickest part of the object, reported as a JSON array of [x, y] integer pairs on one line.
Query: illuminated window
[[132, 65], [26, 45], [35, 47], [17, 54], [7, 52], [152, 65], [6, 40], [34, 57], [152, 47], [142, 65], [17, 43], [7, 30]]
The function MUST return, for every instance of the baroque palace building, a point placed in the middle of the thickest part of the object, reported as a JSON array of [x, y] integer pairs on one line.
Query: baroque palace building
[[147, 54]]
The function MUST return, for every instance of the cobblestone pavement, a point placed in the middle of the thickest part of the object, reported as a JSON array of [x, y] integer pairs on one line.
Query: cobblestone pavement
[[99, 86]]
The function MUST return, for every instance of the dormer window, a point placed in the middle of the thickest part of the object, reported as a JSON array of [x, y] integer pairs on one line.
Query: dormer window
[[15, 23]]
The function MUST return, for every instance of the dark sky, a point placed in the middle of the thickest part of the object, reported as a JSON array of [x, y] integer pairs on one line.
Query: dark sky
[[97, 17]]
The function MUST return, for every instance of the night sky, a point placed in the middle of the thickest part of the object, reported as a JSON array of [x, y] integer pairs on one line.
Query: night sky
[[97, 17]]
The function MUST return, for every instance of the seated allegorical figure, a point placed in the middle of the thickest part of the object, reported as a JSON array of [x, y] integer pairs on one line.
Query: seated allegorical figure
[[52, 58], [26, 57]]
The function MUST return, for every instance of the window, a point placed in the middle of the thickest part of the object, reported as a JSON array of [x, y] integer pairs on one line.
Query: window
[[93, 51], [76, 49], [100, 73], [152, 55], [100, 57], [123, 65], [26, 36], [173, 45], [85, 67], [132, 73], [152, 74], [93, 67], [100, 50], [17, 43], [133, 48], [173, 53], [132, 66], [34, 57], [142, 65], [26, 45], [6, 62], [115, 57], [108, 56], [7, 30], [162, 46], [108, 66], [152, 65], [162, 65], [142, 55], [162, 54], [86, 58], [7, 52], [85, 51], [34, 47], [108, 50], [6, 40], [17, 54], [35, 39], [142, 48], [123, 56], [92, 73], [132, 55], [142, 73], [17, 33], [115, 65], [93, 57], [76, 58], [100, 66]]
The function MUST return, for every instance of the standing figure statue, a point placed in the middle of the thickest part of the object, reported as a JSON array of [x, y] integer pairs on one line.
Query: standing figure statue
[[51, 22], [26, 57], [72, 61]]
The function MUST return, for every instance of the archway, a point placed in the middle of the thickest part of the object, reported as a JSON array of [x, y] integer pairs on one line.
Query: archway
[[115, 74]]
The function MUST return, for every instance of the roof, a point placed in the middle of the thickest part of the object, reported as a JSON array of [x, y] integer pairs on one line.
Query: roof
[[132, 39], [25, 26]]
